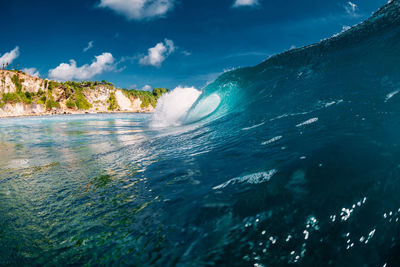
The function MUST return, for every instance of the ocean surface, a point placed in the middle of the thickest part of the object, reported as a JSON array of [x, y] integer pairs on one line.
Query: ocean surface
[[295, 161]]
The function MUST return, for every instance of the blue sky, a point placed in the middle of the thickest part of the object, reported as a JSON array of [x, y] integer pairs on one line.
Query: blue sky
[[163, 43]]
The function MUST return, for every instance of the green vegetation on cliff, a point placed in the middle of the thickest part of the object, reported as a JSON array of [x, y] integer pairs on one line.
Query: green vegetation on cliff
[[19, 96], [147, 98], [70, 94], [73, 91], [70, 103], [112, 101], [17, 82], [50, 103], [11, 98], [81, 102], [22, 97], [158, 92]]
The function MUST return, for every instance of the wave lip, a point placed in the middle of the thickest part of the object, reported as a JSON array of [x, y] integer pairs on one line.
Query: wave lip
[[204, 107]]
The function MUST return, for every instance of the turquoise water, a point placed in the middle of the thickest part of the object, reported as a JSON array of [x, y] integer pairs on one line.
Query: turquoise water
[[72, 188], [295, 161]]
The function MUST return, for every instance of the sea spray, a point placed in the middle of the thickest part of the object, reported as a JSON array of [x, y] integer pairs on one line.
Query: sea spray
[[172, 107]]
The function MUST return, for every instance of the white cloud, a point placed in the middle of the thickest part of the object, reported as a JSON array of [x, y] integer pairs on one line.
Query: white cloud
[[144, 88], [351, 9], [186, 53], [157, 54], [31, 71], [90, 45], [9, 57], [139, 9], [240, 3], [70, 71], [147, 88]]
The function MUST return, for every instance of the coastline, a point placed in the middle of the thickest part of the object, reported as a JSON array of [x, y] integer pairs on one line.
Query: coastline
[[74, 113], [22, 95]]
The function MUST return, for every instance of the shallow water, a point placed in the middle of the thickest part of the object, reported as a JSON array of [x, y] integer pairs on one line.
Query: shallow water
[[70, 183]]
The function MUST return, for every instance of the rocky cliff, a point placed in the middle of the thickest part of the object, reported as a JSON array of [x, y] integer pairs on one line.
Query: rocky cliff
[[24, 95]]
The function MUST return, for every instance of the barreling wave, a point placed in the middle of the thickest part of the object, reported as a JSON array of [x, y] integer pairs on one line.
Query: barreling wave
[[362, 59], [325, 119]]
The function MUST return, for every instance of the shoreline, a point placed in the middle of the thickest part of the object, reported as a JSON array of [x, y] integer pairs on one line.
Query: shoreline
[[22, 95], [72, 113]]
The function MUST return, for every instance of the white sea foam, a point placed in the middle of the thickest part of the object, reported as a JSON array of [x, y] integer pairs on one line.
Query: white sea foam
[[252, 127], [290, 115], [272, 140], [254, 178], [172, 107], [391, 94], [307, 122], [337, 102], [330, 104], [199, 153]]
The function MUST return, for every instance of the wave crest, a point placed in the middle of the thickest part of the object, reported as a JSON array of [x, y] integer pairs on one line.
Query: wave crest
[[172, 107]]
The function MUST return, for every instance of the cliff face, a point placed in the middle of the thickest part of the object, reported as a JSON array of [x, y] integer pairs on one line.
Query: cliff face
[[30, 84], [24, 95]]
